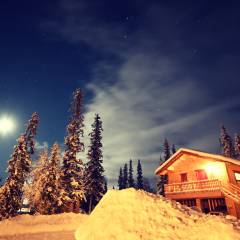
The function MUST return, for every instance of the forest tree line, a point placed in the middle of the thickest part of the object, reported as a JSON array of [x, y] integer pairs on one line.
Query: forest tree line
[[57, 183]]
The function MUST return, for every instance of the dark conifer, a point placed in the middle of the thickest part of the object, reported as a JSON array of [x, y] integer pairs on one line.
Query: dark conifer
[[226, 143], [95, 183], [72, 169], [237, 146], [173, 149], [120, 179], [125, 176], [163, 179], [130, 175], [166, 150], [139, 176]]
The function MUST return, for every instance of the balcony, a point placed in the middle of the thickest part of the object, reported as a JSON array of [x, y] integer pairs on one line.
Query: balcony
[[196, 186]]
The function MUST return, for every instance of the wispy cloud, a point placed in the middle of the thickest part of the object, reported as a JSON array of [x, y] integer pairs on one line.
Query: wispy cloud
[[143, 94], [148, 103], [40, 146]]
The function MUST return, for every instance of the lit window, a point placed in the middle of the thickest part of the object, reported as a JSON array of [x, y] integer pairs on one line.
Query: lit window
[[201, 174], [237, 176]]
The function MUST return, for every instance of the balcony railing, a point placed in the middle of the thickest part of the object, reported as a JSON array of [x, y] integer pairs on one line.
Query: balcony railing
[[196, 186]]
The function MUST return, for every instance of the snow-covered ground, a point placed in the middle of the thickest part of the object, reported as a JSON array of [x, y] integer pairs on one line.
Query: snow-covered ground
[[27, 224], [123, 215], [134, 215]]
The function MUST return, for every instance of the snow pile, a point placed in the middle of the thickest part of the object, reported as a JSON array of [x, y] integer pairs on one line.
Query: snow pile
[[134, 215], [41, 223]]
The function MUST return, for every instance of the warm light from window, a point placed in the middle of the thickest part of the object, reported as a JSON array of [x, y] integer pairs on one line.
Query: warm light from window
[[237, 176], [213, 169]]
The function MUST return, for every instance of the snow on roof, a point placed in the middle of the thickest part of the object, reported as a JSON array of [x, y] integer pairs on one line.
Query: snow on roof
[[133, 215], [181, 151]]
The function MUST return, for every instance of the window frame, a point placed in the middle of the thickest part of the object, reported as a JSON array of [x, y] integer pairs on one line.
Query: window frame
[[183, 179]]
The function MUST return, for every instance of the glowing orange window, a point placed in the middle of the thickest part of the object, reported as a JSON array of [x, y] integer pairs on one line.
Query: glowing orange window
[[201, 174]]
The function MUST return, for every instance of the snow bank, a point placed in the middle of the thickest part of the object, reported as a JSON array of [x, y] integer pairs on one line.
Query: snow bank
[[134, 215], [41, 223]]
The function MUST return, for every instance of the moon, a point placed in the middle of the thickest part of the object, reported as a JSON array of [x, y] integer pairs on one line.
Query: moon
[[7, 125]]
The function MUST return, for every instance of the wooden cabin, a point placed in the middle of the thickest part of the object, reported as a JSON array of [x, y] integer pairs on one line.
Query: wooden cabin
[[208, 181]]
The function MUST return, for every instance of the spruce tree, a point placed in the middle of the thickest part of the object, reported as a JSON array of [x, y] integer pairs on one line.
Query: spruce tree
[[120, 179], [95, 182], [166, 150], [163, 179], [130, 175], [139, 176], [226, 144], [173, 149], [19, 166], [237, 146], [36, 187], [72, 169], [125, 176], [50, 195]]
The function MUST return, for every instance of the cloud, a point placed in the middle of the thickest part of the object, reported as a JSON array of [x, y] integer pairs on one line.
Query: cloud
[[148, 103], [147, 90], [40, 146]]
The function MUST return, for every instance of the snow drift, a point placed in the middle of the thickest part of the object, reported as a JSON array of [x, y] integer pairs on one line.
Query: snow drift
[[26, 224], [133, 215]]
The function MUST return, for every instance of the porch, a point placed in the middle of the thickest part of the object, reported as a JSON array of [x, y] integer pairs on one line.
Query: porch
[[193, 187]]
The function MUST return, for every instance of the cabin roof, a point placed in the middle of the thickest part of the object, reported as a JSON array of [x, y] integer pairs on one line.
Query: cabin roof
[[181, 151]]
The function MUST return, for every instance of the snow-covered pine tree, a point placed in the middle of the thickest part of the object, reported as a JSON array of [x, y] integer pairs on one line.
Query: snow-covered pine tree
[[226, 143], [36, 187], [173, 149], [72, 172], [166, 150], [50, 195], [125, 176], [237, 146], [31, 132], [130, 175], [94, 178], [139, 176], [19, 167], [120, 179]]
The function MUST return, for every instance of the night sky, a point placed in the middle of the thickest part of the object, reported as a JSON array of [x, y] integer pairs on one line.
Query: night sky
[[151, 69]]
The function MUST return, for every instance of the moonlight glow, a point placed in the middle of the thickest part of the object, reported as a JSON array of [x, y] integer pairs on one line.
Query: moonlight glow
[[7, 125]]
